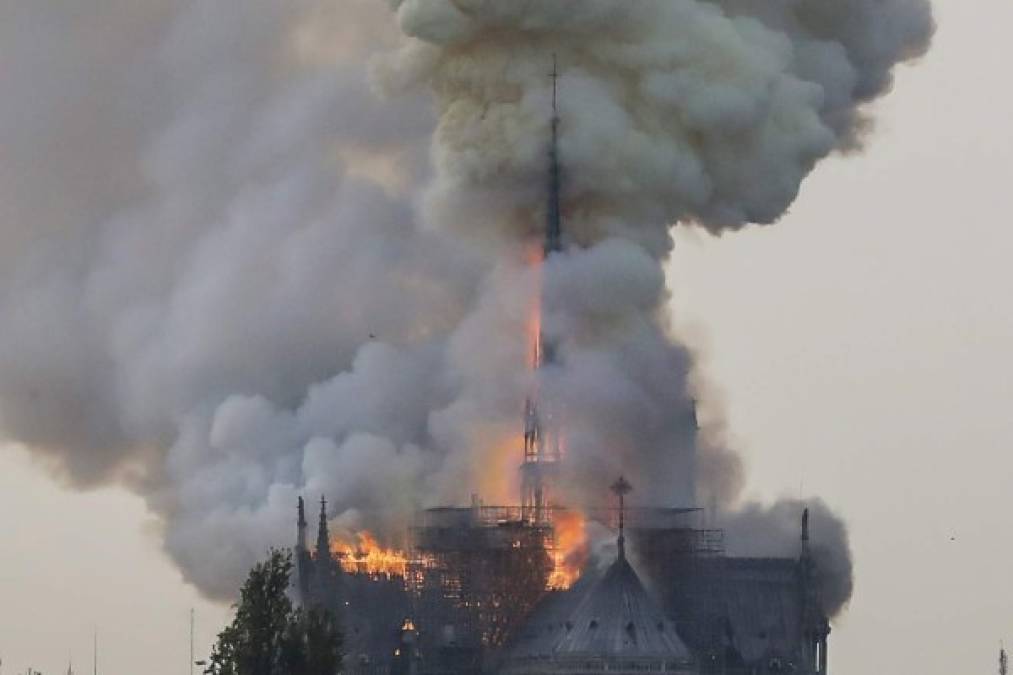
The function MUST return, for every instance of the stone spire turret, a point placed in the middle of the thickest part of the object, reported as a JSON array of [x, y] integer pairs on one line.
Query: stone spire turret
[[323, 534], [301, 524], [815, 624], [805, 534]]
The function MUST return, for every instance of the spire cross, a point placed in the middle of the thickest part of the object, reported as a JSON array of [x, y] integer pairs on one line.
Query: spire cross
[[622, 488]]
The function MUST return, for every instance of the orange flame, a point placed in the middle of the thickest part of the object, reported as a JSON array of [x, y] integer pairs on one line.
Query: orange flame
[[571, 550], [368, 557], [534, 258]]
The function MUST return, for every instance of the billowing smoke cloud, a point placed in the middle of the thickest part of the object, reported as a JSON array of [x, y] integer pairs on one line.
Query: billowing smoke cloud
[[773, 531], [674, 110], [232, 272]]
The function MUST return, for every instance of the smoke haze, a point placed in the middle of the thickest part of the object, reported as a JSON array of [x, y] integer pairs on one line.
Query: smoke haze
[[251, 250]]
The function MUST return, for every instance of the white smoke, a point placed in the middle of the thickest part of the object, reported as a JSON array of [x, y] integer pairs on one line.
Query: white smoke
[[230, 273]]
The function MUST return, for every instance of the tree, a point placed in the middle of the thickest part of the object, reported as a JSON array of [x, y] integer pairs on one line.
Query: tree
[[270, 637], [323, 642], [312, 644]]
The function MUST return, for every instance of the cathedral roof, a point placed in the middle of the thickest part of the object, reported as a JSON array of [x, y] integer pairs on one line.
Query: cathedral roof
[[618, 618], [614, 619]]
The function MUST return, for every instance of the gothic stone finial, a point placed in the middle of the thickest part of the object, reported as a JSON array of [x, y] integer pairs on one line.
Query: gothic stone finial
[[323, 535]]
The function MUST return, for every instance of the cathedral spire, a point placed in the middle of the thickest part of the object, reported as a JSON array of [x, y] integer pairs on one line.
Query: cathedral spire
[[541, 427], [323, 535], [553, 224]]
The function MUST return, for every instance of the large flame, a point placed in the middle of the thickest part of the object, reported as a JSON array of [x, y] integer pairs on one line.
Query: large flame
[[535, 258], [369, 557], [571, 550]]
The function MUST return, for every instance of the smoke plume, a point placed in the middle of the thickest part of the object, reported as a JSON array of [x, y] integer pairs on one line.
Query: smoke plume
[[251, 250]]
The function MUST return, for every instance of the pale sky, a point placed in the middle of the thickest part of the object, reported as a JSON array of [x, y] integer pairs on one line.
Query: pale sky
[[861, 349]]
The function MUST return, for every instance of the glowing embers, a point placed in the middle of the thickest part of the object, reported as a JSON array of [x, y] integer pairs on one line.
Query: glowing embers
[[369, 557], [570, 550]]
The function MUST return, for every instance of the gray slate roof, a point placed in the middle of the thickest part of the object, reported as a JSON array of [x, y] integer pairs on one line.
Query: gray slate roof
[[613, 618], [618, 618], [762, 602]]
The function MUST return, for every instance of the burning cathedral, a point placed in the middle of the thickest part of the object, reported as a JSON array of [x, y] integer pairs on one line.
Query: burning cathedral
[[514, 589]]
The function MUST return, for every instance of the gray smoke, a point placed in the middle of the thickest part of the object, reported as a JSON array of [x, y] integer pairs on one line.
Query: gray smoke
[[773, 531], [243, 256]]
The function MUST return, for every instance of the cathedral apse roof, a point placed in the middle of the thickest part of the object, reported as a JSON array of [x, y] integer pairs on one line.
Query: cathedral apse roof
[[611, 620]]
